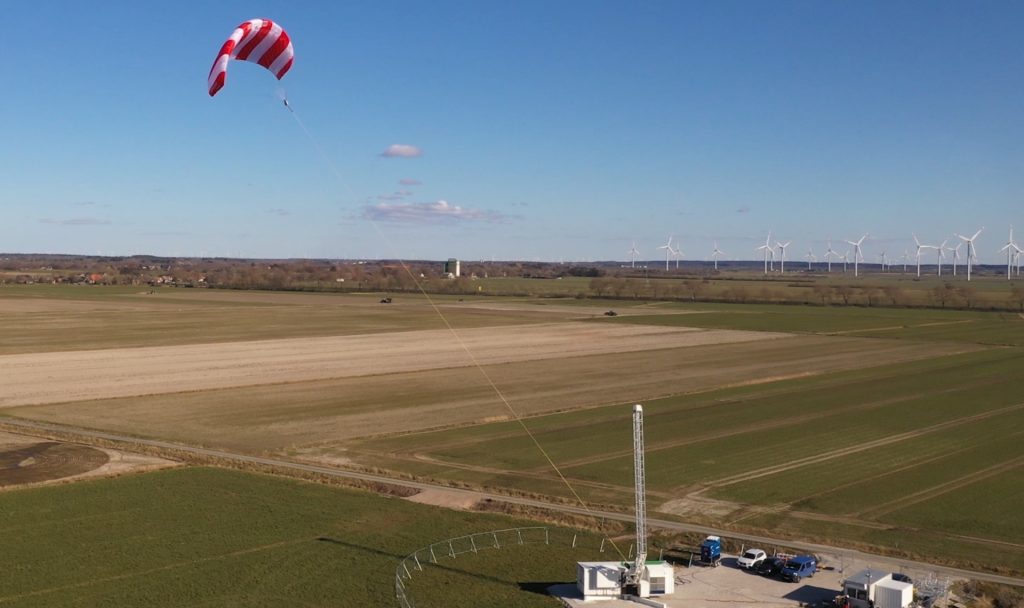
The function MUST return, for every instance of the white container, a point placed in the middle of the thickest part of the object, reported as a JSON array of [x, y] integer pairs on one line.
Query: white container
[[893, 594]]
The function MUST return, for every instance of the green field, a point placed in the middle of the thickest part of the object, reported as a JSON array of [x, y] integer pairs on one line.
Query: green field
[[875, 446], [892, 429], [899, 323], [213, 537]]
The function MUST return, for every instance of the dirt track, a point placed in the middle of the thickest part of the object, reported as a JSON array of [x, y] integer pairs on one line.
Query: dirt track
[[40, 378]]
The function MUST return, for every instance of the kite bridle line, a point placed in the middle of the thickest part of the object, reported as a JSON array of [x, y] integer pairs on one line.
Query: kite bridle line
[[465, 347]]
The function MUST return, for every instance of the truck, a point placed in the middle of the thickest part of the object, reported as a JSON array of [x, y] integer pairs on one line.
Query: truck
[[799, 567], [711, 551]]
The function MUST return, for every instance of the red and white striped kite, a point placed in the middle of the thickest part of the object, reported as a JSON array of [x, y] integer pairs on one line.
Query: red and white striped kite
[[257, 40]]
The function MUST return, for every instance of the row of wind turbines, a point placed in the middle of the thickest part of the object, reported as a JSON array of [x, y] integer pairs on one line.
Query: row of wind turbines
[[1012, 249]]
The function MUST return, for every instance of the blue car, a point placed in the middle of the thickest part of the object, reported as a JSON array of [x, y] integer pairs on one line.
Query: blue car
[[799, 567]]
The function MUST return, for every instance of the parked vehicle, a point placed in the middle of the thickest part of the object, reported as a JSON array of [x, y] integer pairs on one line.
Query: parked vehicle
[[771, 567], [799, 567], [711, 551], [751, 559]]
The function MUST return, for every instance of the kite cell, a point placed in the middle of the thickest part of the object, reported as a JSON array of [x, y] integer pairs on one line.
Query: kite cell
[[257, 40]]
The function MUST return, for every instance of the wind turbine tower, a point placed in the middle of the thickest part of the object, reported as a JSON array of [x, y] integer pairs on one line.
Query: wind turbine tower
[[1012, 252], [810, 258], [768, 251], [856, 254], [668, 250], [920, 247], [717, 253], [677, 253], [632, 255], [971, 253], [828, 256], [956, 255], [940, 256], [782, 255]]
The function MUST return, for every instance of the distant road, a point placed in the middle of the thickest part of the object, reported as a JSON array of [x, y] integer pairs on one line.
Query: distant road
[[478, 495]]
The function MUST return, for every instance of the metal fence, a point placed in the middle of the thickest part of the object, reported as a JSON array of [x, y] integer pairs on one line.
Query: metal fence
[[460, 545]]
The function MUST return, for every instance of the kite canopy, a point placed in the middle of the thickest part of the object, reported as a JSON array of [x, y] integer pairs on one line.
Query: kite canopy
[[257, 40]]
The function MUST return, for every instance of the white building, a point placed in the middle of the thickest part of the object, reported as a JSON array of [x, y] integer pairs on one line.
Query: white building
[[596, 580], [451, 268], [877, 588], [603, 580]]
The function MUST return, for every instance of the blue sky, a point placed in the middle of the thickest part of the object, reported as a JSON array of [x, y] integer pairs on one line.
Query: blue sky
[[545, 130]]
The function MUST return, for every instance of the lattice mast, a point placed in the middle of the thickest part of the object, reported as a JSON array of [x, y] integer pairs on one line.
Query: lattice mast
[[636, 571]]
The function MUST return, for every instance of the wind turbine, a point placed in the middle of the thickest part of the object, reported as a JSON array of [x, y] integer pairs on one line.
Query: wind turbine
[[919, 248], [810, 258], [857, 253], [716, 253], [846, 258], [677, 253], [906, 256], [782, 252], [829, 254], [1012, 252], [940, 256], [956, 255], [971, 253], [767, 248], [668, 250], [881, 256], [632, 255]]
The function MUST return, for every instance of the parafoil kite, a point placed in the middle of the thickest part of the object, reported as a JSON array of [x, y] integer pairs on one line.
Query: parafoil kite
[[257, 40]]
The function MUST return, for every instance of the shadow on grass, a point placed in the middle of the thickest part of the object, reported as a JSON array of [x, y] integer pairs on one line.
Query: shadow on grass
[[541, 588]]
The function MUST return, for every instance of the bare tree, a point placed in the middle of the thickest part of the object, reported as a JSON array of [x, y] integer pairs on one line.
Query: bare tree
[[1017, 296], [968, 293], [844, 292], [893, 293], [823, 292]]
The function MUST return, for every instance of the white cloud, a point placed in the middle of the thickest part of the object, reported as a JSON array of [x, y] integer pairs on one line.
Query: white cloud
[[439, 212], [408, 181], [401, 151]]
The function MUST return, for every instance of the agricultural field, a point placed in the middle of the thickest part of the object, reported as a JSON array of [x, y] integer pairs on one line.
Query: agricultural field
[[918, 457], [995, 328], [986, 291], [214, 537], [44, 318], [870, 427]]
